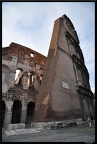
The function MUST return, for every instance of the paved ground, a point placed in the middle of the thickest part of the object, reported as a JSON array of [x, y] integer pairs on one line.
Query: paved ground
[[80, 133]]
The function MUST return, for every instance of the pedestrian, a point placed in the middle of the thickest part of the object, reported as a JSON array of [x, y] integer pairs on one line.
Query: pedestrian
[[89, 121]]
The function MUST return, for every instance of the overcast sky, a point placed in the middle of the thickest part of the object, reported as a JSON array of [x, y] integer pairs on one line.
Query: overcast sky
[[31, 24]]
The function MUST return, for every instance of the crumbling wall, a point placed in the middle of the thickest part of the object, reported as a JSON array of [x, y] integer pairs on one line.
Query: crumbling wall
[[25, 87]]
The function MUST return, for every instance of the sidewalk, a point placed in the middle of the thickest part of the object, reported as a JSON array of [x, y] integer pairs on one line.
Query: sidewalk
[[20, 131], [80, 133]]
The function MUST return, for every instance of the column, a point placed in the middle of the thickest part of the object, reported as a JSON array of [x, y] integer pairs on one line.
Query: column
[[12, 78], [24, 114], [8, 113], [25, 81]]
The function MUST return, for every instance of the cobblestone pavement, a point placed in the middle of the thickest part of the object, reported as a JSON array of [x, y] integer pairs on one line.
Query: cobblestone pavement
[[80, 133]]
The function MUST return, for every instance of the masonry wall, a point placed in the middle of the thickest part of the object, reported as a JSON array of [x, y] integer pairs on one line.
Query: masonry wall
[[64, 91], [19, 96], [50, 89]]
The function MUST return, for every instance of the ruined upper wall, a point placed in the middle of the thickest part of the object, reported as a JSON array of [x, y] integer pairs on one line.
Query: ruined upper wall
[[23, 53], [27, 61], [70, 27]]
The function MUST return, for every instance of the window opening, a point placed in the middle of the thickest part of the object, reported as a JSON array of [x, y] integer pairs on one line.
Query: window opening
[[16, 112], [16, 75], [32, 54]]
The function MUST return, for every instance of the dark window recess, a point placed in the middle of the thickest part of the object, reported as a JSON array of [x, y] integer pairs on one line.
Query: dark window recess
[[30, 109], [16, 112]]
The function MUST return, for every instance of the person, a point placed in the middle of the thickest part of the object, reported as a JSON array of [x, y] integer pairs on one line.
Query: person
[[89, 121]]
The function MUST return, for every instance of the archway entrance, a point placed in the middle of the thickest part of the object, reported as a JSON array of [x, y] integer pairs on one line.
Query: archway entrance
[[30, 111], [86, 109], [3, 112], [16, 112]]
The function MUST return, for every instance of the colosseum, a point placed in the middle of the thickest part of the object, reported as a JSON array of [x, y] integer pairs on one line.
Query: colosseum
[[40, 90]]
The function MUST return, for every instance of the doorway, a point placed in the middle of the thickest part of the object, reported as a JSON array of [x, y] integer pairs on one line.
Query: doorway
[[30, 111], [16, 112]]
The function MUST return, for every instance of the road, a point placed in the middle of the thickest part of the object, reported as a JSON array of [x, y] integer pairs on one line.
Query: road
[[81, 133]]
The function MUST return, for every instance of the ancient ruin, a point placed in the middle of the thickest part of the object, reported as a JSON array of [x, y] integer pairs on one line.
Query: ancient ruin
[[19, 93], [49, 89]]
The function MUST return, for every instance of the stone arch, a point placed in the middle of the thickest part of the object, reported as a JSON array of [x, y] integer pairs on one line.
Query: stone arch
[[18, 76], [91, 109], [3, 112], [30, 111], [31, 79], [86, 109], [16, 112]]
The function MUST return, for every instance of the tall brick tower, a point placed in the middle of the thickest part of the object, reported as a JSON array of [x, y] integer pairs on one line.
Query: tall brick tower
[[65, 90]]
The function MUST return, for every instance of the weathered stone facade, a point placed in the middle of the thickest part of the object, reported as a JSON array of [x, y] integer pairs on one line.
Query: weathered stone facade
[[19, 96], [49, 89], [65, 90]]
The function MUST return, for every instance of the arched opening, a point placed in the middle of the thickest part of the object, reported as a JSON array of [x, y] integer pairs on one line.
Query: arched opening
[[86, 109], [17, 72], [92, 111], [30, 111], [3, 112], [31, 79], [18, 77], [16, 112], [41, 76]]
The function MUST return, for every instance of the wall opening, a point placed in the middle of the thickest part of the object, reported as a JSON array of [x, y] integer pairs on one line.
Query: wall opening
[[31, 79], [18, 77], [30, 111], [41, 76], [86, 109], [3, 112], [32, 54], [16, 112], [17, 72]]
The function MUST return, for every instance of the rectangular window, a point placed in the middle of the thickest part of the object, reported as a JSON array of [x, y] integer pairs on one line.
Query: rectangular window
[[32, 54]]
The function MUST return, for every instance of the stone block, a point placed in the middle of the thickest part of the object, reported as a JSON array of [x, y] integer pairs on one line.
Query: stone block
[[59, 125], [63, 124], [47, 127], [16, 126], [79, 121], [37, 124], [53, 127]]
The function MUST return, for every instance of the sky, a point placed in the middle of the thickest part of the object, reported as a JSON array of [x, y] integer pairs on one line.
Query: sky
[[31, 24]]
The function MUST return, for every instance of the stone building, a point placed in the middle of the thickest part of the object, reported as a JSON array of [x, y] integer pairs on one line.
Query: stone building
[[67, 94], [19, 95], [49, 89]]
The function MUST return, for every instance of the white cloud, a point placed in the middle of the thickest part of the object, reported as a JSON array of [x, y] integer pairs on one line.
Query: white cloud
[[31, 24]]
